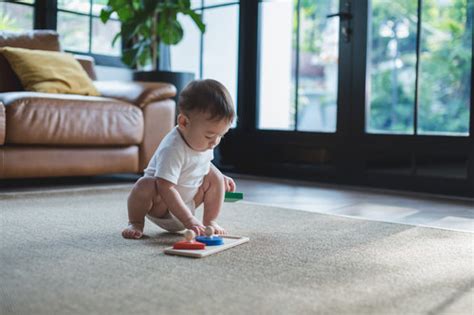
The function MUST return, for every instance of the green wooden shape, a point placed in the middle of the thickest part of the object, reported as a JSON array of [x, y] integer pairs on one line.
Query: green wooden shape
[[233, 196]]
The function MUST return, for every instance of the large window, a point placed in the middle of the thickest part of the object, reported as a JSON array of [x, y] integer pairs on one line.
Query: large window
[[77, 22], [298, 65], [445, 81], [17, 16], [215, 53], [436, 98], [81, 29], [371, 92], [276, 110]]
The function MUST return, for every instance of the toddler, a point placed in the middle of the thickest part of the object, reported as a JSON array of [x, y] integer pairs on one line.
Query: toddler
[[180, 175]]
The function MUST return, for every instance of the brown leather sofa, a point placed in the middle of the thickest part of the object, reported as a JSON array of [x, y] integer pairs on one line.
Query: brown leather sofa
[[43, 135]]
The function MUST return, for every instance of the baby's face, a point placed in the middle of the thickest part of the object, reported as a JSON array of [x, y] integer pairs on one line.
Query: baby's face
[[200, 133]]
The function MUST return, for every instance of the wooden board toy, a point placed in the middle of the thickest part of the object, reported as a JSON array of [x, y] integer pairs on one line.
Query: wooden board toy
[[228, 241], [233, 196]]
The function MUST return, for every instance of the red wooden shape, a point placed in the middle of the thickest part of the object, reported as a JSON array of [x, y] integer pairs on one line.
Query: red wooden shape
[[189, 245]]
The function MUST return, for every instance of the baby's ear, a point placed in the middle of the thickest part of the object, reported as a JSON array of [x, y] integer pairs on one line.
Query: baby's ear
[[182, 120]]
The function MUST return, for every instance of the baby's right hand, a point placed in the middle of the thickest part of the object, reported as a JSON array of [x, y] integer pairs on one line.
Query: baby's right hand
[[198, 229], [195, 225]]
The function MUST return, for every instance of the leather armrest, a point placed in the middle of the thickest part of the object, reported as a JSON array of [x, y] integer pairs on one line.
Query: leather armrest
[[8, 98], [135, 92], [88, 64], [159, 119]]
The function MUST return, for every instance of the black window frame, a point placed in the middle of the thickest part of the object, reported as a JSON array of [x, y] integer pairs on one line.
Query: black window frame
[[100, 59], [247, 149], [201, 9], [46, 16]]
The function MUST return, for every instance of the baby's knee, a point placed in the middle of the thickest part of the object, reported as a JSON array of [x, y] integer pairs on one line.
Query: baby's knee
[[215, 179], [144, 185]]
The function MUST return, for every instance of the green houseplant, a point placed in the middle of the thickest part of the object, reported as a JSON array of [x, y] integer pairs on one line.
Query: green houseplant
[[144, 25]]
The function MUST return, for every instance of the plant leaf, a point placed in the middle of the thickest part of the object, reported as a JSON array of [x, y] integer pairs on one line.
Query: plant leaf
[[184, 4], [129, 56], [136, 5], [129, 30], [105, 14], [143, 55], [149, 5], [170, 32], [117, 4], [197, 18], [124, 13], [117, 36]]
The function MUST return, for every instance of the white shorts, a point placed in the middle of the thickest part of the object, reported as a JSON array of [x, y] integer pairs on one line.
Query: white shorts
[[169, 222]]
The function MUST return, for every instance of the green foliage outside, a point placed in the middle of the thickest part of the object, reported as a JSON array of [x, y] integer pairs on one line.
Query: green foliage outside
[[313, 21], [445, 68], [444, 83], [7, 23], [314, 13], [15, 17]]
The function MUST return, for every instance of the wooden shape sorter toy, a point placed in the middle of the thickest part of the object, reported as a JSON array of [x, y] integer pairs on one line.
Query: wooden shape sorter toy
[[209, 244], [191, 248]]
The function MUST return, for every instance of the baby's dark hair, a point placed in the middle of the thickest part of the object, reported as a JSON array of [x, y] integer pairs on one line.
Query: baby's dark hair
[[207, 96]]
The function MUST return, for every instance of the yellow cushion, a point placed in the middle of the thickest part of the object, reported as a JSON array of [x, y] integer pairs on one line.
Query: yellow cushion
[[49, 71]]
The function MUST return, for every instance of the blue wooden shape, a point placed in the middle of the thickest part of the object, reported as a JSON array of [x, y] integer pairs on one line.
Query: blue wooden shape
[[210, 241]]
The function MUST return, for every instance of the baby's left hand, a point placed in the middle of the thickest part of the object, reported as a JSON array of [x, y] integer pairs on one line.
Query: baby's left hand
[[218, 230], [229, 183]]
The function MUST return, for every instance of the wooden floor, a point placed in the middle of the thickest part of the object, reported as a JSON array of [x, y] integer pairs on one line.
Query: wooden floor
[[381, 205]]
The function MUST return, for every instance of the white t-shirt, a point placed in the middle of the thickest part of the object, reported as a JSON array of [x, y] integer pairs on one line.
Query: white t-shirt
[[176, 162]]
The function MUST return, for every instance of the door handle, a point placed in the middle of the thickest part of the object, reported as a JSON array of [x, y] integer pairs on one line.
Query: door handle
[[341, 15], [346, 17]]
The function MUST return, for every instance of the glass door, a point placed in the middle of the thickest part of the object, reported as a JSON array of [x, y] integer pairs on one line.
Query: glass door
[[415, 115], [302, 81], [419, 67], [373, 92], [298, 66]]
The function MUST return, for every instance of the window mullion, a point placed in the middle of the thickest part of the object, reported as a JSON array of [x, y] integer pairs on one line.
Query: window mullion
[[90, 26], [417, 68], [297, 63], [45, 14], [201, 46]]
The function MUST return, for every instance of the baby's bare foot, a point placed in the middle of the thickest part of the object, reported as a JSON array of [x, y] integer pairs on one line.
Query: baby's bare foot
[[133, 230]]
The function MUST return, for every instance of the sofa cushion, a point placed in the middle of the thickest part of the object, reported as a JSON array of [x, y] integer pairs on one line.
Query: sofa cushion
[[49, 71], [37, 39], [70, 120]]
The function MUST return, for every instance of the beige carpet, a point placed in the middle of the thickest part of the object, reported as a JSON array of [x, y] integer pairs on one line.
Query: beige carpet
[[62, 253]]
